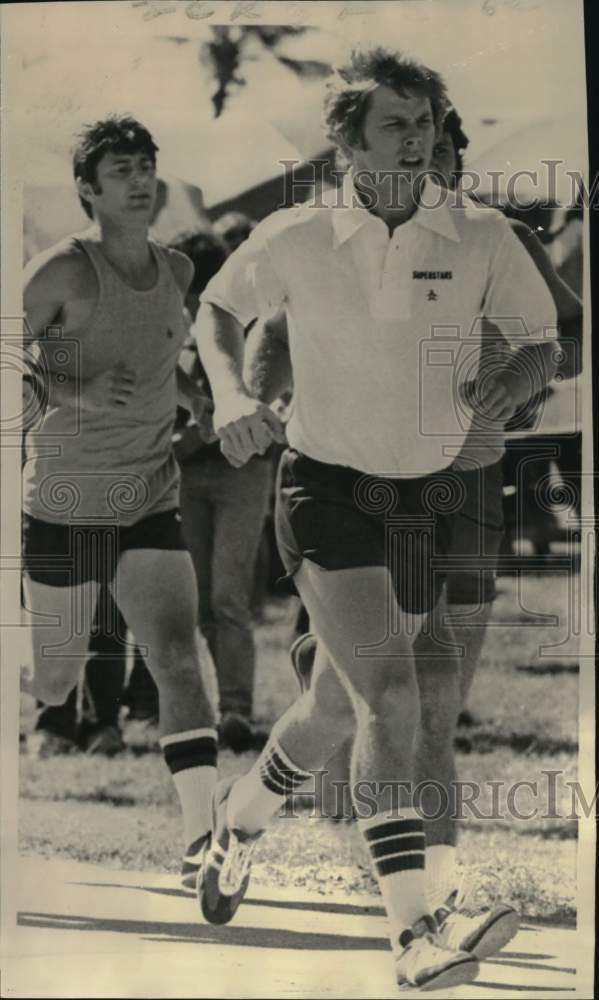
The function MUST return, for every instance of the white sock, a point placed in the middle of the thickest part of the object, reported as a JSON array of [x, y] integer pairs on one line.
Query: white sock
[[397, 845], [440, 874], [256, 797], [191, 758]]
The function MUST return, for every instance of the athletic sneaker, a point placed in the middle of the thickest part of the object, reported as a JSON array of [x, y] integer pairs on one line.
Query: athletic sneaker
[[481, 932], [424, 964], [225, 872], [302, 655], [192, 862]]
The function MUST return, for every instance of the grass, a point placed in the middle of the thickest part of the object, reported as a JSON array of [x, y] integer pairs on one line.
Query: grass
[[123, 812]]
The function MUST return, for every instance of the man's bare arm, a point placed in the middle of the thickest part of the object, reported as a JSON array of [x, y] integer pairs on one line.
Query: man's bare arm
[[245, 426], [49, 281], [220, 340], [267, 369], [44, 296]]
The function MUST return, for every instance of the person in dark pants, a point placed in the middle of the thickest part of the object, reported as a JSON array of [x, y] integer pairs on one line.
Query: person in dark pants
[[224, 511]]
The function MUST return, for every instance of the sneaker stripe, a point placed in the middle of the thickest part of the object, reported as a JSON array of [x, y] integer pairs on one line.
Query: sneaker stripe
[[215, 858]]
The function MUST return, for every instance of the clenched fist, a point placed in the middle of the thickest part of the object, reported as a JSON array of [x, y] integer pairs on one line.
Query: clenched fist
[[245, 427]]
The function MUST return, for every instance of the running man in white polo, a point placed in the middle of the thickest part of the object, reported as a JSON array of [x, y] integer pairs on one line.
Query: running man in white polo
[[377, 418], [469, 585]]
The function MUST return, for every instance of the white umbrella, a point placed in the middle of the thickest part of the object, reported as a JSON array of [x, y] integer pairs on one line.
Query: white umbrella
[[225, 156], [274, 118], [554, 150]]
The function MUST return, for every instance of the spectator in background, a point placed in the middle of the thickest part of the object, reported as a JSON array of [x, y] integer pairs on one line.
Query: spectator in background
[[233, 228], [565, 247], [524, 469], [224, 511]]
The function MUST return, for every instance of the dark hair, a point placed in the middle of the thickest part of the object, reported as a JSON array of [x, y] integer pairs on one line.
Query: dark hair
[[453, 125], [115, 134], [351, 86], [234, 225], [206, 251]]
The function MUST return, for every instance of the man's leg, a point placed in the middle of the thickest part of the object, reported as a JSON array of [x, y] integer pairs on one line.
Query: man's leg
[[438, 672], [156, 591], [447, 653], [470, 637], [351, 609], [61, 619], [438, 675]]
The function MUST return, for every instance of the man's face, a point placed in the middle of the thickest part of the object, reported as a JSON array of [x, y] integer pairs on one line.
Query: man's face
[[398, 134], [125, 186], [445, 161]]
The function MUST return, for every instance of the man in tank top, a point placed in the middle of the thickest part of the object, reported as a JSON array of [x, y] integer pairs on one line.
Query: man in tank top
[[104, 327]]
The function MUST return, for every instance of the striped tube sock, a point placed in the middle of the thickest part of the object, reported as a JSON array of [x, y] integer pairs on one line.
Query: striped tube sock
[[441, 879], [191, 758], [260, 793], [397, 846]]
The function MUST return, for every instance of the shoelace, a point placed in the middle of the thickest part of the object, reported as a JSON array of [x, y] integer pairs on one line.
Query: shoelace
[[236, 865]]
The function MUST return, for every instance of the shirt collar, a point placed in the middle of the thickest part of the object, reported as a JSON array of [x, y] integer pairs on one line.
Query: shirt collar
[[352, 216]]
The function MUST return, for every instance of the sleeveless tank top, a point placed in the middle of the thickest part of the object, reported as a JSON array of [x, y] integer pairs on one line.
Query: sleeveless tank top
[[116, 465]]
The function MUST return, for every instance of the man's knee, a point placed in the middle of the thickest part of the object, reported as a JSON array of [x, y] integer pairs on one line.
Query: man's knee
[[380, 690]]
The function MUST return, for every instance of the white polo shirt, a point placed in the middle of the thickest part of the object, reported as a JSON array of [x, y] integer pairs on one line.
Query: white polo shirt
[[383, 330]]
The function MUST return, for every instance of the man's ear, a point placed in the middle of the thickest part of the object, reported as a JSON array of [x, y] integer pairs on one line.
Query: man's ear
[[85, 190]]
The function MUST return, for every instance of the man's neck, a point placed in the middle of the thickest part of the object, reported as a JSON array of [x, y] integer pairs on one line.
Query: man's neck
[[126, 246], [392, 205]]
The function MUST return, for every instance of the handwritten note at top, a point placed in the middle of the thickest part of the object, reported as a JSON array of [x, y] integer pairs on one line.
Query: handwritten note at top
[[243, 10], [491, 7]]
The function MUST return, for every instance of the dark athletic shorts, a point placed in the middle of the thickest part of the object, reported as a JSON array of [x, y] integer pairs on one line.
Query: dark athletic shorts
[[446, 527], [65, 555], [477, 535], [340, 518]]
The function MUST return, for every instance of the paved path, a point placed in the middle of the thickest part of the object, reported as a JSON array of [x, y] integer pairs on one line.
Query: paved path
[[87, 931]]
